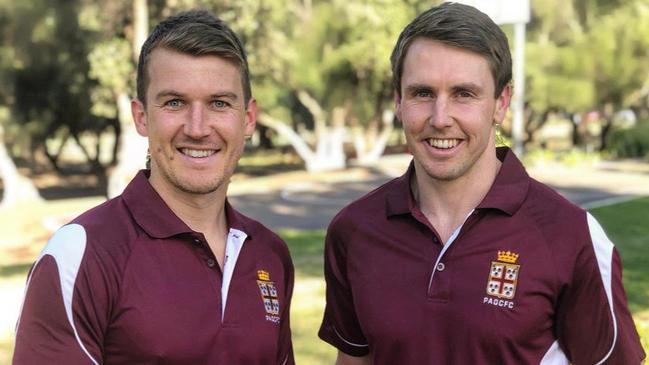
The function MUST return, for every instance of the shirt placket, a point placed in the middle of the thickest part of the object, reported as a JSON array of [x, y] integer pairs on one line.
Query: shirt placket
[[212, 267], [439, 284]]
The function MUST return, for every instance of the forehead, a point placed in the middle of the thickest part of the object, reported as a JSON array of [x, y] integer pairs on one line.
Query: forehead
[[169, 68], [429, 60]]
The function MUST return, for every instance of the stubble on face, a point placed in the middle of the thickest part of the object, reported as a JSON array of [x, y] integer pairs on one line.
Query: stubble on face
[[190, 185]]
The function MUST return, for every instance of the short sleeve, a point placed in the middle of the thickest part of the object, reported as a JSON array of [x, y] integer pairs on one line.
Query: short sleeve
[[64, 311], [340, 325], [594, 325]]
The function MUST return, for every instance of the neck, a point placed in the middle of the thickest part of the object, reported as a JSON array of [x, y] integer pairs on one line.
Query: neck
[[446, 203], [203, 213]]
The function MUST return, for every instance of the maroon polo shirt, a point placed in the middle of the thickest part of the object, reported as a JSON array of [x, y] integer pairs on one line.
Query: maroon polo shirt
[[128, 282], [528, 278]]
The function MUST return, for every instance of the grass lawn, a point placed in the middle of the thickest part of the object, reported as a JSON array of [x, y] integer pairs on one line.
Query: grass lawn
[[626, 224]]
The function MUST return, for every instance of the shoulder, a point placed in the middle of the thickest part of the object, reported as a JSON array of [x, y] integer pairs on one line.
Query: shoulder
[[106, 231], [567, 229], [551, 211], [369, 207]]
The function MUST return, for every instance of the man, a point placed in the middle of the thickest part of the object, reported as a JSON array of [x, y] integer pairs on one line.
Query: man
[[169, 272], [465, 259]]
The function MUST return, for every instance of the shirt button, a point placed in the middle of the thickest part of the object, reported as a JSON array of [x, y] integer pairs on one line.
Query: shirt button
[[211, 262], [441, 266]]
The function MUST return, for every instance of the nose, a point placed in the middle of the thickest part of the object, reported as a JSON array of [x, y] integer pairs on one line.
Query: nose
[[440, 117], [196, 125]]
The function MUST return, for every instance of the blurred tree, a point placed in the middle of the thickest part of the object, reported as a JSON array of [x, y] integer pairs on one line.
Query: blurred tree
[[17, 188], [321, 72], [586, 55], [51, 84], [113, 64]]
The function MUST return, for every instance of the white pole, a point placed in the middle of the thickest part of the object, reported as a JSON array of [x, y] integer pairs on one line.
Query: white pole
[[519, 87]]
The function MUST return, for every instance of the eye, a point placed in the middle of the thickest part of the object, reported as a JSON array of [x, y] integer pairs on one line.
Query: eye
[[423, 93], [174, 103], [463, 94], [220, 104]]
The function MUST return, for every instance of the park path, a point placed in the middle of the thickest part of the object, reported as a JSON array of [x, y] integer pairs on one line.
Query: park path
[[297, 200]]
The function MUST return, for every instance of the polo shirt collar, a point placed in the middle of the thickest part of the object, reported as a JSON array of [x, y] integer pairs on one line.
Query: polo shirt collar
[[510, 186], [507, 193], [156, 218], [399, 199]]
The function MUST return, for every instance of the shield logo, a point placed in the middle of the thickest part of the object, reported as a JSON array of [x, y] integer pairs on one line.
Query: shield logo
[[269, 296], [503, 278]]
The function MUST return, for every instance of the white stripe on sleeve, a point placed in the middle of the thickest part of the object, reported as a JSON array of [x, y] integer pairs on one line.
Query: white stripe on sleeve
[[554, 356], [67, 247], [604, 253]]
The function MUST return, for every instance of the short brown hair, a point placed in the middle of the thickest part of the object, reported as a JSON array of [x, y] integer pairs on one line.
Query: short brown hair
[[197, 33], [460, 26]]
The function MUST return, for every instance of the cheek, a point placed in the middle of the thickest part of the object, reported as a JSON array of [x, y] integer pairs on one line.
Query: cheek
[[414, 117]]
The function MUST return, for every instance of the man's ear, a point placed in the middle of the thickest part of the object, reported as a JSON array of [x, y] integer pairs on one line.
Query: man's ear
[[251, 117], [138, 111], [502, 104], [397, 105]]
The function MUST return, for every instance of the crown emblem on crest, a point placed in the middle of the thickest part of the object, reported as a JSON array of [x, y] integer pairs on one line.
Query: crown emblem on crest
[[263, 275], [507, 256]]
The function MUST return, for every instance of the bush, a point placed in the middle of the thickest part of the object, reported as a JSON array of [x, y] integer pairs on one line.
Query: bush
[[630, 142]]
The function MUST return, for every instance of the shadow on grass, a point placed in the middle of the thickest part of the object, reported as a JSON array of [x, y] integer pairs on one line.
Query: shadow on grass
[[626, 225], [14, 270]]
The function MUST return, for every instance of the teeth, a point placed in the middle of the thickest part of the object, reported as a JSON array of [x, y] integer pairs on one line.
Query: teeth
[[443, 143], [197, 153]]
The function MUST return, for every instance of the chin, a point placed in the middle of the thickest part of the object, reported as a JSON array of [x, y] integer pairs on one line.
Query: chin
[[198, 189], [199, 186]]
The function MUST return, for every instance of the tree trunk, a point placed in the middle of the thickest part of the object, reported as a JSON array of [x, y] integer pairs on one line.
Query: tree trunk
[[17, 188], [369, 144], [132, 150], [329, 153], [132, 147]]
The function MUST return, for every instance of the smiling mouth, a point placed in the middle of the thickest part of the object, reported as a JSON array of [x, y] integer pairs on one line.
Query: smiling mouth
[[197, 153], [443, 143]]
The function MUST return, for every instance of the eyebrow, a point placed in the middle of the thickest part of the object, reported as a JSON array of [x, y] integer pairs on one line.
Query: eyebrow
[[166, 93], [225, 94], [173, 93], [417, 87], [468, 86]]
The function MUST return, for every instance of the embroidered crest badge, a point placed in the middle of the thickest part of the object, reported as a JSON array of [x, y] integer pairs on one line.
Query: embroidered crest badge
[[269, 296], [503, 276]]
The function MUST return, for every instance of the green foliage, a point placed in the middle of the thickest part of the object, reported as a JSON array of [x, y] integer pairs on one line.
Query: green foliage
[[111, 65], [584, 55], [630, 142]]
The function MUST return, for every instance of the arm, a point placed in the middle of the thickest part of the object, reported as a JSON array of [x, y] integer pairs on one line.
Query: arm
[[340, 326], [58, 324], [595, 304], [344, 359]]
